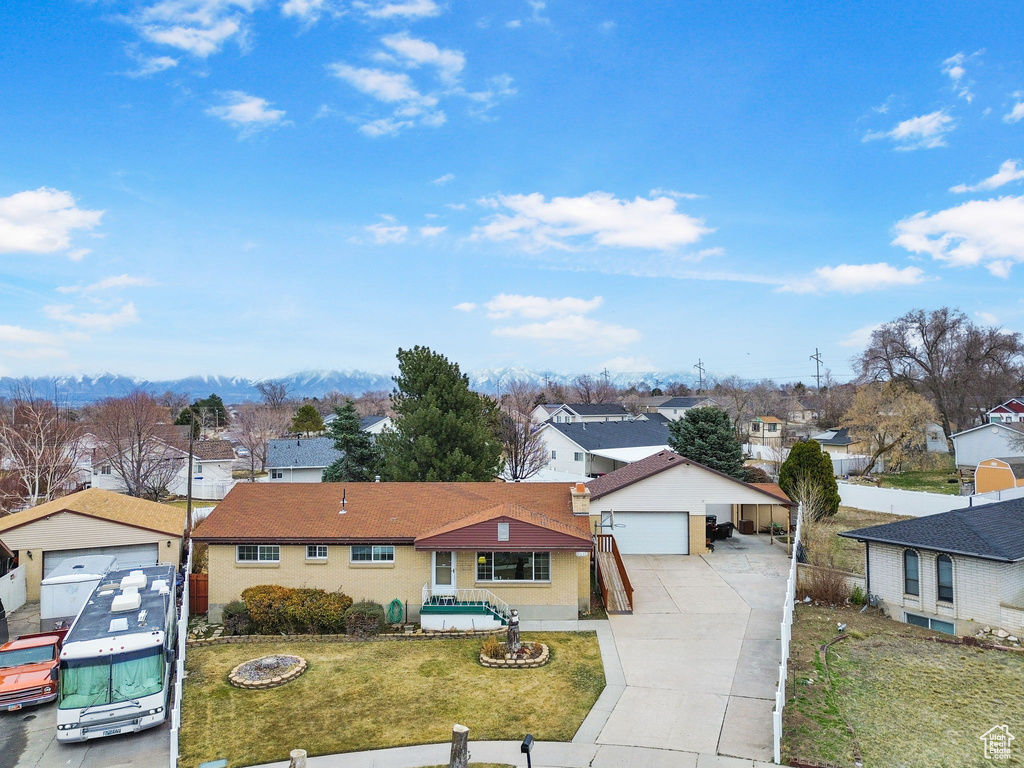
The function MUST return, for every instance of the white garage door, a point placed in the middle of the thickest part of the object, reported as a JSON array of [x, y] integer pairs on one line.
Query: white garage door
[[128, 556], [652, 533]]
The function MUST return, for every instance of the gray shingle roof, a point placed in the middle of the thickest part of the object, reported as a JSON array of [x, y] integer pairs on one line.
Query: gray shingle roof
[[304, 452], [686, 402], [368, 421], [596, 409], [656, 418], [990, 531], [614, 434], [834, 437]]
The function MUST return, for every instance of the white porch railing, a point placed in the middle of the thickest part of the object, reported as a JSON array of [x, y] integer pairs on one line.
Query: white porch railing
[[466, 596], [179, 670], [786, 633]]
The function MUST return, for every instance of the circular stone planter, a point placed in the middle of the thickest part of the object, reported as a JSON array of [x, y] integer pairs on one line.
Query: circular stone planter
[[267, 671], [508, 662]]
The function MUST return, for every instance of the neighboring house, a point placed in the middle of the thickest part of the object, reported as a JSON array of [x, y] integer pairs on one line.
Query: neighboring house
[[659, 505], [836, 442], [92, 522], [675, 408], [576, 413], [300, 460], [973, 446], [374, 425], [998, 475], [935, 439], [847, 454], [211, 469], [801, 412], [656, 418], [954, 572], [766, 431], [453, 554], [596, 448], [1009, 412]]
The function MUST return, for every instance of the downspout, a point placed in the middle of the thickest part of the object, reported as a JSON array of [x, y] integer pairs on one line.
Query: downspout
[[867, 571]]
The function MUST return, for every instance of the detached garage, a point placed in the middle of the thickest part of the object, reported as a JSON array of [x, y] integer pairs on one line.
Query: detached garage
[[652, 533], [92, 522]]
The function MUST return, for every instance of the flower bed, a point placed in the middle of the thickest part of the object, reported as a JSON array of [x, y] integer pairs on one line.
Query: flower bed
[[267, 671], [532, 655]]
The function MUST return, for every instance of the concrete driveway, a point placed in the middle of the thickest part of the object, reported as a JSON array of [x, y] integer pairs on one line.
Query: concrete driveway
[[700, 651]]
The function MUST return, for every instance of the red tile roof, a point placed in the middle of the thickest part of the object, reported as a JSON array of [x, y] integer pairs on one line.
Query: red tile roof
[[775, 490]]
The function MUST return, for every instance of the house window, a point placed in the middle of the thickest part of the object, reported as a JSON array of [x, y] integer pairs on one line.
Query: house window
[[316, 551], [934, 624], [105, 469], [258, 553], [577, 456], [995, 419], [773, 427], [276, 474], [502, 531], [554, 455], [944, 574], [755, 427], [513, 566], [373, 553], [197, 469], [911, 578]]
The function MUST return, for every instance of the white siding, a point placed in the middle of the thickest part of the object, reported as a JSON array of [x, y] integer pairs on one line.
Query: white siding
[[297, 475], [990, 442], [565, 450]]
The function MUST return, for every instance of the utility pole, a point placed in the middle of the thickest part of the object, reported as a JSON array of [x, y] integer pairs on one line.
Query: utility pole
[[188, 502], [606, 375], [700, 369], [816, 357]]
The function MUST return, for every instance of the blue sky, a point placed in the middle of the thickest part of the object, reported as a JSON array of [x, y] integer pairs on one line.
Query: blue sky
[[256, 187]]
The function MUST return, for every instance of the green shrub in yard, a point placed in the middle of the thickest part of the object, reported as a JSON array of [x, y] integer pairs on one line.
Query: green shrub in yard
[[857, 596], [236, 619], [365, 619], [274, 610]]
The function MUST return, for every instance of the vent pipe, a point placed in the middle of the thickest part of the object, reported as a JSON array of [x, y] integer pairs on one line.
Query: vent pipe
[[344, 495]]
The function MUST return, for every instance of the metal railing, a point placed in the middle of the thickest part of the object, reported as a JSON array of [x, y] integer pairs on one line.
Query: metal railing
[[179, 670], [786, 632], [605, 542], [482, 597]]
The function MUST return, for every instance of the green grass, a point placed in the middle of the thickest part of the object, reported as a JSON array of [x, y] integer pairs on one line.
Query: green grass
[[848, 554], [360, 696], [936, 480], [910, 702]]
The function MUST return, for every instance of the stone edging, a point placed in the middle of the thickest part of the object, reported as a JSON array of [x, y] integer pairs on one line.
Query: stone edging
[[507, 663], [257, 685], [233, 639]]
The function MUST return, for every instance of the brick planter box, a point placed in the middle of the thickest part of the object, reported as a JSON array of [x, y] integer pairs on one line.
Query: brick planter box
[[272, 682], [506, 662]]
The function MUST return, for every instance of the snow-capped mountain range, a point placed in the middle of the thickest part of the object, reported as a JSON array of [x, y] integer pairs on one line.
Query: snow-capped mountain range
[[81, 389]]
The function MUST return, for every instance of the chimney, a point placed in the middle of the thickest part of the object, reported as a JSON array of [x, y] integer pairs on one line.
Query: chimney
[[580, 499]]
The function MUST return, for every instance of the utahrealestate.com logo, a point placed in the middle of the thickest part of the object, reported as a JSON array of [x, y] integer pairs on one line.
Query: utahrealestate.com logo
[[997, 742]]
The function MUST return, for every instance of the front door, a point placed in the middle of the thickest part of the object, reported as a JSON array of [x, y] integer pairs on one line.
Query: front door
[[443, 573]]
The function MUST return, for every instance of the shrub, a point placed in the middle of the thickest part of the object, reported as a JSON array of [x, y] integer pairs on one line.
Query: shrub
[[365, 619], [236, 619], [277, 610], [857, 596], [493, 648]]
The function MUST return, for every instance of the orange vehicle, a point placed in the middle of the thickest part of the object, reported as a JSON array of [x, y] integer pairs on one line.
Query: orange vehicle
[[28, 670]]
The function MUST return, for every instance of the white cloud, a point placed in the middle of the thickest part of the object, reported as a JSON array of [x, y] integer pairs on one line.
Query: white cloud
[[41, 221], [151, 65], [861, 337], [384, 234], [979, 232], [1007, 173], [413, 52], [855, 278], [248, 113], [198, 27], [456, 206], [954, 68], [630, 364], [594, 219], [585, 333], [34, 353], [13, 334], [987, 317], [431, 231], [92, 321], [444, 179], [465, 306], [107, 283], [673, 194], [537, 307], [606, 26], [410, 9], [309, 12], [385, 126], [1016, 114], [381, 85], [923, 132]]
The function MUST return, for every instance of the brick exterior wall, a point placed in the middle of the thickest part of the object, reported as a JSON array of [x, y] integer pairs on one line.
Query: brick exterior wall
[[984, 592], [562, 598], [698, 534]]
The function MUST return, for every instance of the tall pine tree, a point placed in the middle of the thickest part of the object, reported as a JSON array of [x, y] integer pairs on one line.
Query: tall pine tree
[[361, 461], [444, 432], [706, 436]]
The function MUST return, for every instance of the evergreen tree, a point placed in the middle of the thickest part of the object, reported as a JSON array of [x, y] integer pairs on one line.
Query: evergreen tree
[[307, 419], [209, 412], [706, 436], [444, 432], [807, 477], [361, 461]]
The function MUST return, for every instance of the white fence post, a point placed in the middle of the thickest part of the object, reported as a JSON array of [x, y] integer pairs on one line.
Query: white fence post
[[785, 634], [179, 667]]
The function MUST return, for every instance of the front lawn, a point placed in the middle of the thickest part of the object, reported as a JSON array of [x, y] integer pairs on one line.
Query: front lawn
[[903, 700], [359, 696]]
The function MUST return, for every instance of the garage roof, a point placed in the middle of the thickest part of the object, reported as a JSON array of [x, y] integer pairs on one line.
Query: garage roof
[[105, 505]]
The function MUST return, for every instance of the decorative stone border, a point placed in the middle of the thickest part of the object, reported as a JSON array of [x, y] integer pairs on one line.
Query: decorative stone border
[[257, 685], [389, 637], [509, 663]]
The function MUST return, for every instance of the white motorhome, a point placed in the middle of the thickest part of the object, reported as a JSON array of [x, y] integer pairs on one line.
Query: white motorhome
[[63, 593]]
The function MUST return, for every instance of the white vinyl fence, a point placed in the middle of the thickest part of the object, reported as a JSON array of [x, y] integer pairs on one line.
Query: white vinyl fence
[[179, 670], [895, 501], [12, 589], [786, 633]]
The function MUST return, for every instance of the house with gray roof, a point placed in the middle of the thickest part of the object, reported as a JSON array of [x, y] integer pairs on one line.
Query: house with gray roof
[[300, 459], [675, 408], [592, 449], [953, 572], [575, 413]]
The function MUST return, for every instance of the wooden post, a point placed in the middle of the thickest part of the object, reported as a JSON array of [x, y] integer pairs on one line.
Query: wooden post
[[298, 758], [460, 747]]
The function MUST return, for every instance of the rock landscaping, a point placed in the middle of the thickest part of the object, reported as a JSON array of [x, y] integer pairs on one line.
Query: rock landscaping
[[267, 671], [531, 655]]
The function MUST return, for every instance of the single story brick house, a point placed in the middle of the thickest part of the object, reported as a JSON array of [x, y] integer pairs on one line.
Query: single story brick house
[[953, 572], [454, 554]]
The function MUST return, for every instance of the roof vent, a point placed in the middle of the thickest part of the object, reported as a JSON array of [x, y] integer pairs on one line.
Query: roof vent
[[159, 585], [118, 625], [135, 579], [129, 600], [344, 494]]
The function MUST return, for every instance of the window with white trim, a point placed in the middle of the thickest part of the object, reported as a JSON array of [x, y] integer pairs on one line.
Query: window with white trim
[[197, 469], [513, 566], [554, 454], [911, 573], [944, 578], [258, 553], [373, 553], [577, 456], [276, 474], [105, 469], [316, 551]]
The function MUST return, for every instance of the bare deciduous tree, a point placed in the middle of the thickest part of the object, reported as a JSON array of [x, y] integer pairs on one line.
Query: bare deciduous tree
[[890, 419], [374, 403], [256, 425], [275, 393], [520, 397], [588, 389], [174, 403], [40, 440], [523, 450], [832, 401]]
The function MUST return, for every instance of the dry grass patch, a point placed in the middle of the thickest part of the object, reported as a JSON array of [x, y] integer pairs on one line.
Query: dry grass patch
[[910, 702], [847, 554], [359, 696]]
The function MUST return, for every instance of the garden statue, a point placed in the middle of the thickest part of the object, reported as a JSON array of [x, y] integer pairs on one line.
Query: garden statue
[[512, 640]]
